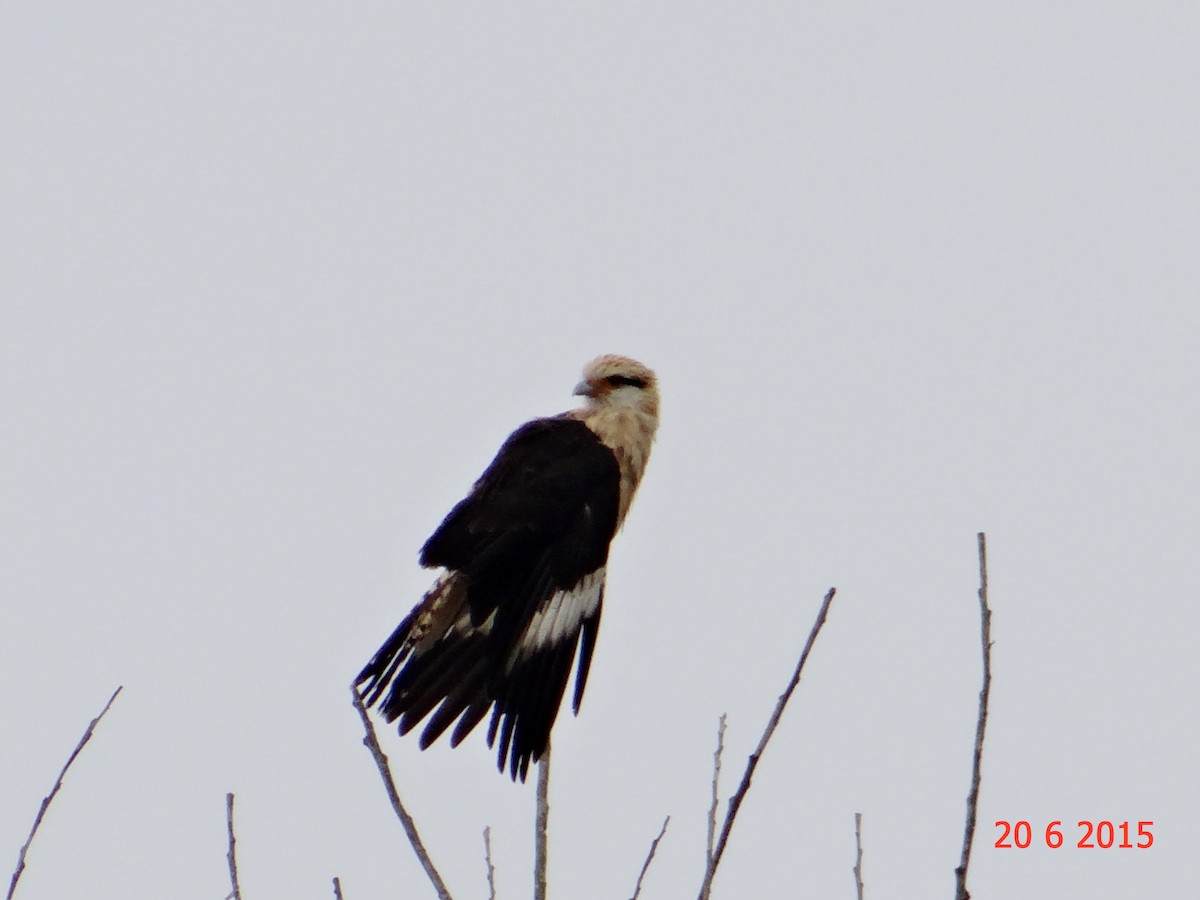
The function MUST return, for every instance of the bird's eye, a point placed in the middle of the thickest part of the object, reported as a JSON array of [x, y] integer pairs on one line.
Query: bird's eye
[[622, 380]]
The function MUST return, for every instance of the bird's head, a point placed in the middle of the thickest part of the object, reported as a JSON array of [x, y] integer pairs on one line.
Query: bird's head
[[622, 410], [612, 380]]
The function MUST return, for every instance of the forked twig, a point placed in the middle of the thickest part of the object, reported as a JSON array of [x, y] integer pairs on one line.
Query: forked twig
[[371, 742], [985, 639], [232, 856], [858, 882], [541, 833], [49, 798], [637, 888], [739, 795]]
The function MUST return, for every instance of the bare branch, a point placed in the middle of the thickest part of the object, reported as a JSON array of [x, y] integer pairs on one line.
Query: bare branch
[[637, 888], [49, 798], [540, 849], [985, 639], [371, 742], [487, 858], [232, 856], [739, 795], [337, 889], [858, 882], [712, 809]]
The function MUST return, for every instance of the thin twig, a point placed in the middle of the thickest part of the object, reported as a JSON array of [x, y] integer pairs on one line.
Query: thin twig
[[858, 882], [712, 809], [487, 858], [49, 798], [232, 856], [371, 742], [337, 889], [739, 795], [540, 848], [985, 640], [637, 888]]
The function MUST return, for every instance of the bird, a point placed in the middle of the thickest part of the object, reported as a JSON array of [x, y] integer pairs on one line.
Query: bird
[[521, 564]]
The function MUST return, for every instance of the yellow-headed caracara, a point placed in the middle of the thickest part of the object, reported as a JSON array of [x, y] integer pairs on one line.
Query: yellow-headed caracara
[[522, 562]]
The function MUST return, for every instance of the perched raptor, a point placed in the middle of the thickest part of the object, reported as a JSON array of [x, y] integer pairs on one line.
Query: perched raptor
[[521, 574]]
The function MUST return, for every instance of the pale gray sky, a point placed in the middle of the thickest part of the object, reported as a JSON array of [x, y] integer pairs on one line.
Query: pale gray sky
[[278, 278]]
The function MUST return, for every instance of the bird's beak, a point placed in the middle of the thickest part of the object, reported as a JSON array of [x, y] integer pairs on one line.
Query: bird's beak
[[585, 389]]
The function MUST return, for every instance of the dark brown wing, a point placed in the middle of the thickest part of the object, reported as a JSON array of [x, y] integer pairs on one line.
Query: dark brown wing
[[529, 543]]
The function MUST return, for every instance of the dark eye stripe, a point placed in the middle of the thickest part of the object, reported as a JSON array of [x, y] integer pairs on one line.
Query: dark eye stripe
[[620, 380]]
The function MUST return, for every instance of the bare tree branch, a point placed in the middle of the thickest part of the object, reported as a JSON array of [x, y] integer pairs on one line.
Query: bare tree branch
[[739, 795], [637, 888], [487, 858], [337, 889], [232, 856], [858, 882], [540, 848], [371, 742], [49, 798], [985, 639], [712, 809]]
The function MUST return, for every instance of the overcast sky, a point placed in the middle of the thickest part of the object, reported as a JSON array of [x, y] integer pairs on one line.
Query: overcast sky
[[278, 278]]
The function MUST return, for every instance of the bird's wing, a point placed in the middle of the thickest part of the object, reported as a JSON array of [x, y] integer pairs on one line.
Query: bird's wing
[[550, 481], [530, 544]]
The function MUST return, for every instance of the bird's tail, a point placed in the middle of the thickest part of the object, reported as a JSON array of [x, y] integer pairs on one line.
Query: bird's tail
[[420, 631], [376, 675]]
